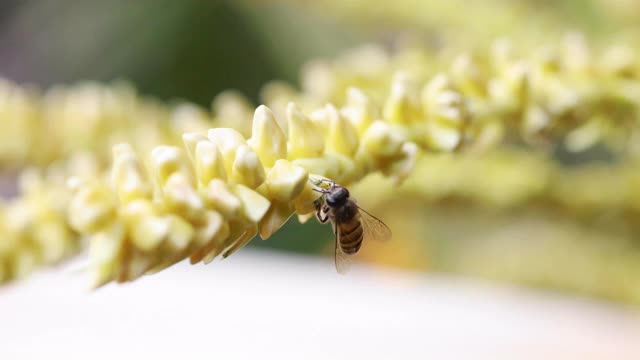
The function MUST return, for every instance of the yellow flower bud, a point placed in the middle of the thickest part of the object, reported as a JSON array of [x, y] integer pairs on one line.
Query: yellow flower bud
[[320, 118], [53, 238], [150, 232], [228, 140], [399, 170], [342, 137], [92, 208], [400, 106], [468, 76], [303, 203], [305, 139], [211, 229], [190, 140], [285, 181], [254, 205], [209, 162], [168, 160], [441, 137], [240, 241], [219, 197], [439, 100], [247, 169], [181, 233], [278, 214], [446, 114], [214, 248], [127, 176], [104, 253], [510, 90], [360, 110], [137, 264], [267, 139], [180, 197], [381, 141]]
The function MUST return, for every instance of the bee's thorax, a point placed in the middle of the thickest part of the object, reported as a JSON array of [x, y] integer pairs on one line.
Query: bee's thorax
[[347, 212]]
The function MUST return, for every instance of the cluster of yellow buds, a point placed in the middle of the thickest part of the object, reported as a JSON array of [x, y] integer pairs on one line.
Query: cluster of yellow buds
[[564, 93], [56, 128], [221, 190], [65, 120], [33, 227]]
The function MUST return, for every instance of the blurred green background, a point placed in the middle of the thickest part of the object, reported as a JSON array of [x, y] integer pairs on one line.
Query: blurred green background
[[190, 49]]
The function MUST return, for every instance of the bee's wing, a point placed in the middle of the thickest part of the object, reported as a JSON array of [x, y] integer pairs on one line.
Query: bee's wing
[[374, 228], [343, 261]]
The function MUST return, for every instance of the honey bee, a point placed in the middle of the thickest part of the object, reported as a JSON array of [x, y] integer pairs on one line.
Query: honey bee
[[351, 224]]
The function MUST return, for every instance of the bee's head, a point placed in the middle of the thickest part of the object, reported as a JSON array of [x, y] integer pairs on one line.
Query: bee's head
[[337, 196]]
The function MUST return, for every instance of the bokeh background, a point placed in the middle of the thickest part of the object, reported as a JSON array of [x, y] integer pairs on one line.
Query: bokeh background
[[194, 49]]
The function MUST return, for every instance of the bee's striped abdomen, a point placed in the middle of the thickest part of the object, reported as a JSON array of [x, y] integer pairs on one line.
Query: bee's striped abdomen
[[350, 235]]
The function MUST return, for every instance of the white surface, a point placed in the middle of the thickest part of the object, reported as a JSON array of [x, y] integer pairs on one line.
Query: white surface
[[266, 305]]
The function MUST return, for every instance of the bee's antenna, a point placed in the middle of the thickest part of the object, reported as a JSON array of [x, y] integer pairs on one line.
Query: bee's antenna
[[317, 184], [314, 181]]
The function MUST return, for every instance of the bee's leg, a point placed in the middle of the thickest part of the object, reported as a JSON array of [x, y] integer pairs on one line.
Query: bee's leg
[[323, 219], [320, 210]]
